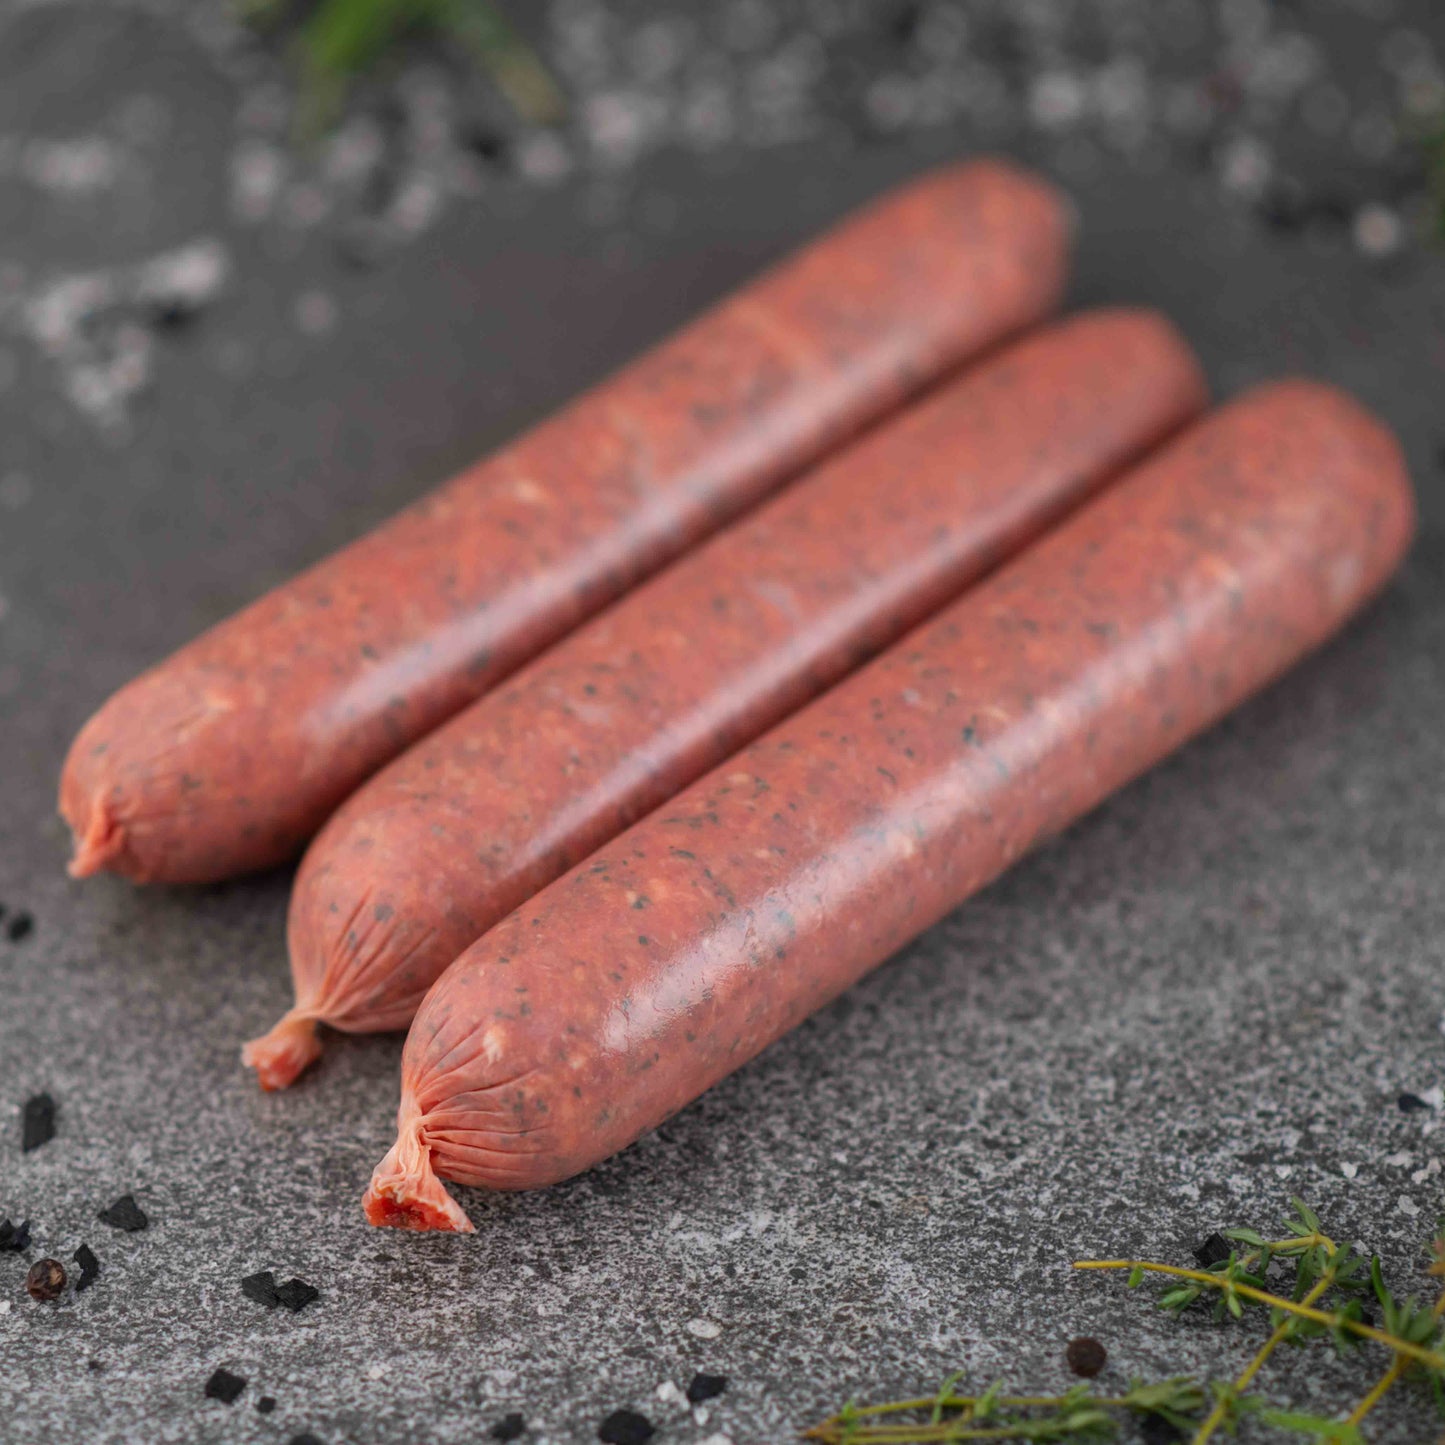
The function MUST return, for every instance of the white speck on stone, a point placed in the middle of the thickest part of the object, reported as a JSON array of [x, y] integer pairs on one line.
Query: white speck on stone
[[707, 114], [544, 158], [417, 205], [1121, 91], [700, 1416], [890, 101], [704, 1329], [265, 108], [54, 315], [4, 1307], [1407, 1206], [194, 274], [376, 1371], [1403, 1160], [305, 206], [315, 313], [1379, 232], [1246, 166], [1284, 66], [1057, 99], [658, 47], [1349, 1170], [258, 172], [1435, 1097], [668, 1394], [131, 366], [616, 125], [1283, 1171], [353, 152], [72, 167], [718, 1438]]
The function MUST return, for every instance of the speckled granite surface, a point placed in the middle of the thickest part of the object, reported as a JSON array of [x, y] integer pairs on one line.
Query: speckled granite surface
[[1206, 997]]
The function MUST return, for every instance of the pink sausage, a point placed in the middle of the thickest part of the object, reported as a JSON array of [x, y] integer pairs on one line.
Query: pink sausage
[[685, 946], [227, 756], [474, 819]]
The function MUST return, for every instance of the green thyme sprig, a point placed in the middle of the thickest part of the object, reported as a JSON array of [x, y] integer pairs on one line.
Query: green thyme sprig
[[1322, 1296], [1079, 1414], [340, 39]]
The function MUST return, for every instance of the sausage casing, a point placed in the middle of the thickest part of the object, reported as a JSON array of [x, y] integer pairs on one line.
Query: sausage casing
[[690, 942], [639, 701], [227, 756]]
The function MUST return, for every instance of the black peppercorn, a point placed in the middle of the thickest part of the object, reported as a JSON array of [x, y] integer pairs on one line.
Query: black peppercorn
[[1086, 1356]]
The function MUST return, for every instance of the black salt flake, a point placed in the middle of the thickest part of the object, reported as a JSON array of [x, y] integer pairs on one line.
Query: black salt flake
[[261, 1287], [124, 1214], [485, 141], [509, 1427], [1214, 1250], [705, 1387], [19, 927], [171, 313], [1412, 1104], [296, 1294], [89, 1267], [305, 1438], [265, 1404], [14, 1237], [225, 1387], [626, 1427], [37, 1120]]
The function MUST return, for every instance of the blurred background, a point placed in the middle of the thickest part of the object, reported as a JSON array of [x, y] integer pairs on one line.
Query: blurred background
[[166, 167]]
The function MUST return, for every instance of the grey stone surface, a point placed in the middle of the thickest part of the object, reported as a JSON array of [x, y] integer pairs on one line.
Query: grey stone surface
[[1206, 997]]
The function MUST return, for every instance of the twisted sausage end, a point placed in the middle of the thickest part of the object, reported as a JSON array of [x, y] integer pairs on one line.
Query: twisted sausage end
[[282, 1055], [405, 1192]]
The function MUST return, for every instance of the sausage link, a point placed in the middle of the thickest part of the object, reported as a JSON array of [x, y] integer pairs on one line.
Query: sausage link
[[690, 942], [474, 819], [230, 754]]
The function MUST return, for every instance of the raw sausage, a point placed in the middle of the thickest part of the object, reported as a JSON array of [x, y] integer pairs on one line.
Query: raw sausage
[[474, 819], [230, 754], [690, 942]]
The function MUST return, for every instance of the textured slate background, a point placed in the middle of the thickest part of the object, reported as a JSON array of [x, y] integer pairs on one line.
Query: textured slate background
[[1208, 996]]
